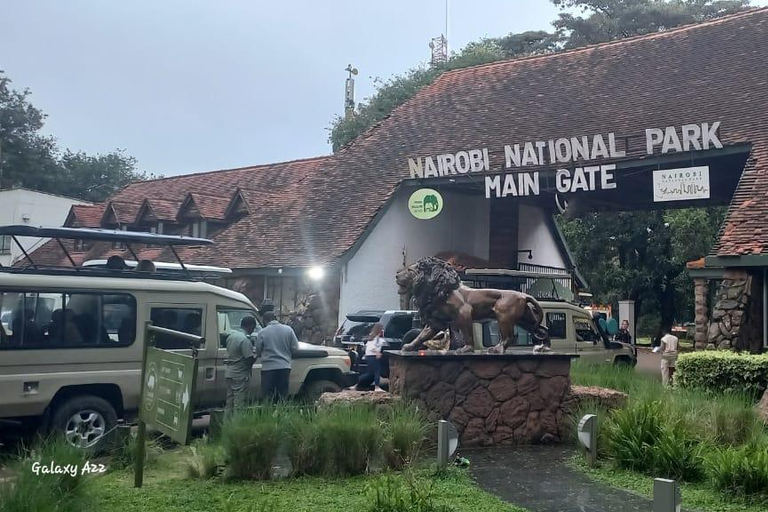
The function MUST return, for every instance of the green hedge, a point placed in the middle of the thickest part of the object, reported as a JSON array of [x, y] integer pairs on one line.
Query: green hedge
[[723, 372]]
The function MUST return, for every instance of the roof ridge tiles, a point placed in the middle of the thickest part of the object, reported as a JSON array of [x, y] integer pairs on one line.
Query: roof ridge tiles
[[243, 168], [751, 11]]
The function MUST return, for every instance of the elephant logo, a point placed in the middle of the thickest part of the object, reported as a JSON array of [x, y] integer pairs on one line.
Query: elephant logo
[[431, 203], [425, 203]]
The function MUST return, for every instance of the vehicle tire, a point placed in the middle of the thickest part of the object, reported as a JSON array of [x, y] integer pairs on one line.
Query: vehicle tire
[[623, 362], [314, 389], [86, 422], [410, 336]]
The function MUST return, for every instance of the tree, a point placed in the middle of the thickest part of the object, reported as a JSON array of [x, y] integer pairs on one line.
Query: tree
[[29, 159], [399, 89], [607, 20], [642, 255]]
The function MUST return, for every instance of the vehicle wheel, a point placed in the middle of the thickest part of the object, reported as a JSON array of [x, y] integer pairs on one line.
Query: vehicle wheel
[[410, 336], [623, 362], [85, 422], [314, 389]]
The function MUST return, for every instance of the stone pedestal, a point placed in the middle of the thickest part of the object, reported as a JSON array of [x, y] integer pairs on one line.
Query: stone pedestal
[[492, 399]]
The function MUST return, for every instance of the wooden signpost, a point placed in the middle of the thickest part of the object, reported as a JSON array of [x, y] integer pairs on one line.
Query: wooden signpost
[[167, 387]]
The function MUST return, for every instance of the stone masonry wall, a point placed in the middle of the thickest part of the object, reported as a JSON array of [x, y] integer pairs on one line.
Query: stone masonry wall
[[728, 315], [497, 400]]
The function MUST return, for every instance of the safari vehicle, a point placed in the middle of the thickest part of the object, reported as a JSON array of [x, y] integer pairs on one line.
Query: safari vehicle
[[70, 358], [571, 329]]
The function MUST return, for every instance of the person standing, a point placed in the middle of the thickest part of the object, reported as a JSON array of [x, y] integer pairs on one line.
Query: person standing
[[668, 358], [239, 364], [276, 345], [623, 335], [373, 348]]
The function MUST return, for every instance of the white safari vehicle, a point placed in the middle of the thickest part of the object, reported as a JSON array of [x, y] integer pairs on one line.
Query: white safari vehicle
[[71, 349]]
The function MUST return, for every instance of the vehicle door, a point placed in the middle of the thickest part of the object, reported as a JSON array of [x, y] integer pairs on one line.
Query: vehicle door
[[589, 343], [558, 326], [228, 318], [189, 318]]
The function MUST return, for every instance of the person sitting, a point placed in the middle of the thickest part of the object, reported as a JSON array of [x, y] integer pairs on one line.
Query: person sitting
[[146, 266], [116, 263], [25, 331]]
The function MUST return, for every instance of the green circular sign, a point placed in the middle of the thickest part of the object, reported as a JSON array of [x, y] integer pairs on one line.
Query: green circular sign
[[425, 203]]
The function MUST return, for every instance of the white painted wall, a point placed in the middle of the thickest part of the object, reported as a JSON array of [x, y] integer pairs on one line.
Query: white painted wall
[[536, 236], [21, 206], [368, 281]]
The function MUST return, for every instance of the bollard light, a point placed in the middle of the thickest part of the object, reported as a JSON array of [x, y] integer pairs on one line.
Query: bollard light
[[447, 442], [666, 496], [588, 437]]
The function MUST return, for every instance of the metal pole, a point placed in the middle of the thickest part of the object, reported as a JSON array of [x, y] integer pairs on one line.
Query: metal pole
[[141, 436]]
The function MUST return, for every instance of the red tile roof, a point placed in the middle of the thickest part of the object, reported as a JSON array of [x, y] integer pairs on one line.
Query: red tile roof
[[159, 209], [314, 211], [85, 216], [208, 206]]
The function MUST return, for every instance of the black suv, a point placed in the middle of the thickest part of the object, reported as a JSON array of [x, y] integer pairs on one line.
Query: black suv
[[354, 332]]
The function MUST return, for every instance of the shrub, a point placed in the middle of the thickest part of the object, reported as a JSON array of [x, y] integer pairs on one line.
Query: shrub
[[740, 471], [723, 372], [632, 431], [394, 494], [351, 437], [307, 449], [124, 453], [251, 441], [30, 492], [203, 461], [676, 454], [404, 431]]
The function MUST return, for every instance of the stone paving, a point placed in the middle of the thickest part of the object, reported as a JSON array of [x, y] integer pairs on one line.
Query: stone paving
[[537, 478]]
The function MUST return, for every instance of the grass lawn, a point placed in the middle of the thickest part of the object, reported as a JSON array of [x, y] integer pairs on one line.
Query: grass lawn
[[695, 496], [166, 489]]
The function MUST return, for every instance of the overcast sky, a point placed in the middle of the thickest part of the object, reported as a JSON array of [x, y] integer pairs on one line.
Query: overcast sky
[[187, 85]]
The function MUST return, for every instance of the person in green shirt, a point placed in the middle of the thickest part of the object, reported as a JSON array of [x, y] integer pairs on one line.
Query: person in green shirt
[[239, 363]]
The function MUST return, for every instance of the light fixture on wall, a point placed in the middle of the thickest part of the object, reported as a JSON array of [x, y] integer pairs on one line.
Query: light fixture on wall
[[316, 273], [529, 251]]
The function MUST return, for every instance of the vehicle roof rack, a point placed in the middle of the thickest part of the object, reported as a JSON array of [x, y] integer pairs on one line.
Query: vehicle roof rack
[[101, 235]]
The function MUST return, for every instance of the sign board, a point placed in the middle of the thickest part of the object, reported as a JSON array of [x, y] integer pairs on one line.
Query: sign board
[[681, 184], [167, 390], [425, 203]]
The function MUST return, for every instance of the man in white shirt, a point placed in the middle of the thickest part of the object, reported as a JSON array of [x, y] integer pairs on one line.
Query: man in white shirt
[[668, 358]]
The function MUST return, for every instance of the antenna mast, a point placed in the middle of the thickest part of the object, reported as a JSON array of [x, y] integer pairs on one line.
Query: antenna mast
[[349, 92], [439, 45]]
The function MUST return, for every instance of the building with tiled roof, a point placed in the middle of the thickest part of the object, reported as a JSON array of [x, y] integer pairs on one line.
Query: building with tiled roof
[[672, 119]]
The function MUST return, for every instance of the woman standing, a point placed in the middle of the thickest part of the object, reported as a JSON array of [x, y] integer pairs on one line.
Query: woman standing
[[372, 359]]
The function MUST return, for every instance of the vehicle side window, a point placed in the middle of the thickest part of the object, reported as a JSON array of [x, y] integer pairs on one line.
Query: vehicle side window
[[189, 320], [398, 325], [230, 318], [557, 326], [585, 329], [46, 320], [492, 339]]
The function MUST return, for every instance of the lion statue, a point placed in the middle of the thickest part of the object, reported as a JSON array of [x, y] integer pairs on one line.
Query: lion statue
[[445, 303]]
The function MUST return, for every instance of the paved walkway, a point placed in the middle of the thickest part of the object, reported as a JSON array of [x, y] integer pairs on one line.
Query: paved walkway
[[536, 478]]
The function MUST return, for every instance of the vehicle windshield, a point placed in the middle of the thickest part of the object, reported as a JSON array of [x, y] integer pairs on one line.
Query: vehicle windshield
[[356, 330]]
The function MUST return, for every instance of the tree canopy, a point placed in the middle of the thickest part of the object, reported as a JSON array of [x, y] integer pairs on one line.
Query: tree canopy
[[31, 160]]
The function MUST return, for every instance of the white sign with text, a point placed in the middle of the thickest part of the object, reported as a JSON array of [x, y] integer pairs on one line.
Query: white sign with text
[[681, 184]]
